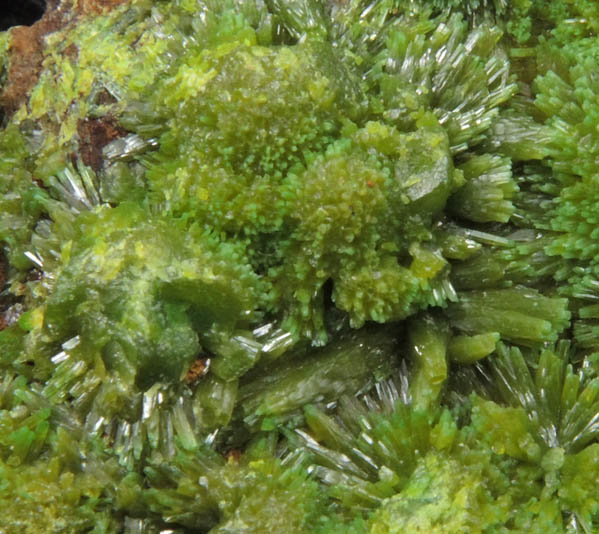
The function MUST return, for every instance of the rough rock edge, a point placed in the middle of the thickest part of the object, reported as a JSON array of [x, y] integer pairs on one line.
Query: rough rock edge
[[27, 46]]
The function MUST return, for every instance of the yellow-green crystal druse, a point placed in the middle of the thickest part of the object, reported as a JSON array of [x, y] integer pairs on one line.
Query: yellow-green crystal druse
[[302, 266]]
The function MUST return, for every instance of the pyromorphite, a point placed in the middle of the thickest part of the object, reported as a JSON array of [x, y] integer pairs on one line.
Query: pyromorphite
[[206, 206], [141, 289], [441, 497]]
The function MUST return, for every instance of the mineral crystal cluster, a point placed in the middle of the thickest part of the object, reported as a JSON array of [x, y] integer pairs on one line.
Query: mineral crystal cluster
[[300, 266]]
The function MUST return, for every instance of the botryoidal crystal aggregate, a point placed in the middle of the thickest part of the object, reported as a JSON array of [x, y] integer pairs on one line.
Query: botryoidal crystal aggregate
[[302, 266]]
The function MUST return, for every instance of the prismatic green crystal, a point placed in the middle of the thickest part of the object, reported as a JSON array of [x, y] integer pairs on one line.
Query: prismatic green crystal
[[300, 266]]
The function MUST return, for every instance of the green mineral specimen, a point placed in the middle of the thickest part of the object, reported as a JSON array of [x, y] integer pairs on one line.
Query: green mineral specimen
[[300, 266]]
